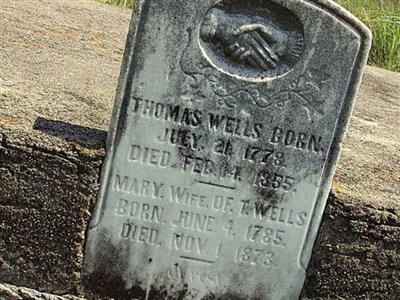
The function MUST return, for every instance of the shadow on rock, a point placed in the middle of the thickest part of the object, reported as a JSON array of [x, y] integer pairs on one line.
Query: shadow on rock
[[84, 136]]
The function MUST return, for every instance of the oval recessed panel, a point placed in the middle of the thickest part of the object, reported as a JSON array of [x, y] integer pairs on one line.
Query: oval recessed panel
[[252, 39]]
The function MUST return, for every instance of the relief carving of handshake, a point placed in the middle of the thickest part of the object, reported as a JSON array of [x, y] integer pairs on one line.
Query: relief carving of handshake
[[247, 40]]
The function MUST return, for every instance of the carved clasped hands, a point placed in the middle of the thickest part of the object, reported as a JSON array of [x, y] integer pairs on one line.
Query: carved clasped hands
[[250, 41]]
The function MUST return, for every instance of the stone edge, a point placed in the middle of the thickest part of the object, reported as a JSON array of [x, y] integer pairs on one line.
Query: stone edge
[[344, 118]]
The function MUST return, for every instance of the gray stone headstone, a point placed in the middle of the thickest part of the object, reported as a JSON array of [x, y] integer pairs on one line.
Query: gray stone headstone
[[225, 136]]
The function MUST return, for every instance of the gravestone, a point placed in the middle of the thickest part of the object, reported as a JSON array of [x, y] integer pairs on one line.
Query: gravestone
[[225, 135]]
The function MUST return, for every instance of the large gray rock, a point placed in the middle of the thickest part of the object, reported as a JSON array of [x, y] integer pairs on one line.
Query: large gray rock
[[52, 70], [357, 253]]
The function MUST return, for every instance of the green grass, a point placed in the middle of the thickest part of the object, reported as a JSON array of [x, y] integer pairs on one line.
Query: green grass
[[122, 3], [381, 16]]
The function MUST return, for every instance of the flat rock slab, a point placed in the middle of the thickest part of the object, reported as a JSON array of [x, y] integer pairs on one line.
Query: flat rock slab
[[60, 61], [359, 240], [11, 292]]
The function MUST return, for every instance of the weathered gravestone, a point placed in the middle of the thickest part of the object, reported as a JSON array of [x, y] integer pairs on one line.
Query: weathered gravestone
[[224, 140]]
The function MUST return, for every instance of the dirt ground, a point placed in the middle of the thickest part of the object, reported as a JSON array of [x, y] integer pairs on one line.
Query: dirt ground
[[60, 62]]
